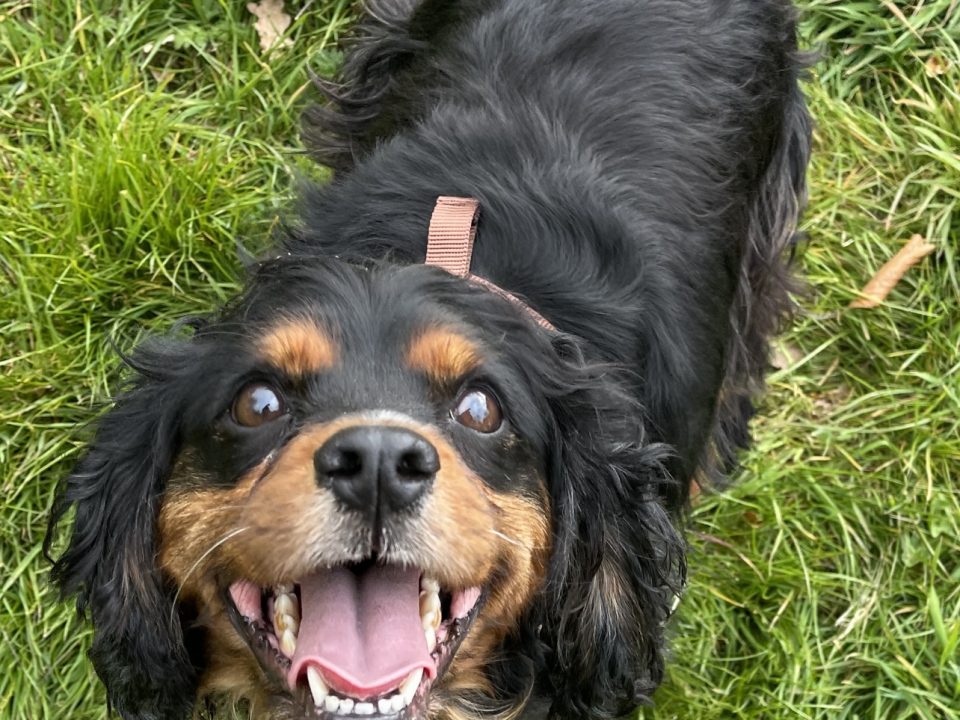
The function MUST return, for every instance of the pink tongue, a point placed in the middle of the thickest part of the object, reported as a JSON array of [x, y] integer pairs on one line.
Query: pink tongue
[[361, 630]]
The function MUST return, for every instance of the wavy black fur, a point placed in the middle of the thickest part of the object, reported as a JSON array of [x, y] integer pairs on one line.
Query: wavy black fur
[[138, 648], [640, 168]]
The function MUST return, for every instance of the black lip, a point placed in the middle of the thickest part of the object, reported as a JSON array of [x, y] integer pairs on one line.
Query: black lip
[[274, 664]]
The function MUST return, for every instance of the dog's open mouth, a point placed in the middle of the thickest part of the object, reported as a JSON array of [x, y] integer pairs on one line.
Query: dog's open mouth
[[355, 640]]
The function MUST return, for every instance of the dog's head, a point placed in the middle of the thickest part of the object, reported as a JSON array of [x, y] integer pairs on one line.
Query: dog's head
[[371, 491]]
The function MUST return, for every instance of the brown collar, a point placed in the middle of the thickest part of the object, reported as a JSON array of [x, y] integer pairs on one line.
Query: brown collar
[[453, 227]]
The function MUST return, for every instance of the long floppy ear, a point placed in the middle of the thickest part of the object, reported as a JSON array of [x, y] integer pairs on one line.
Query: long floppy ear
[[617, 560], [138, 649]]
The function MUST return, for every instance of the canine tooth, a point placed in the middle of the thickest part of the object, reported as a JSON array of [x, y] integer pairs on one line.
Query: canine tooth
[[408, 688], [396, 703], [288, 643], [384, 706], [429, 585], [283, 622], [331, 703], [346, 706], [318, 688], [364, 708], [287, 605], [431, 636], [279, 590]]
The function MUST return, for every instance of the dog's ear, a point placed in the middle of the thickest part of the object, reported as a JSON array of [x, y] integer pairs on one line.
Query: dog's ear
[[617, 559], [110, 560]]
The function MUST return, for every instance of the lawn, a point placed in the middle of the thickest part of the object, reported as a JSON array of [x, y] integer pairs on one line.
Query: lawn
[[139, 141]]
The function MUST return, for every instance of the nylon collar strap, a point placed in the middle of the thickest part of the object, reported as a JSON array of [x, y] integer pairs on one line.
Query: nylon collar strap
[[453, 228]]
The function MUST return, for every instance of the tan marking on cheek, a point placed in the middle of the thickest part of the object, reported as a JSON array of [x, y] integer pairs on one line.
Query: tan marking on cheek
[[190, 524], [457, 522], [523, 529], [443, 355], [298, 347]]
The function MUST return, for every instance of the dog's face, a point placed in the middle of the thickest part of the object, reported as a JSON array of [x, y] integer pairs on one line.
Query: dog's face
[[368, 492], [361, 512]]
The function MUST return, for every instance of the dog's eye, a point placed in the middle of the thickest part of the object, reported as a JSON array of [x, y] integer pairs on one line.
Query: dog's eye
[[257, 403], [478, 410]]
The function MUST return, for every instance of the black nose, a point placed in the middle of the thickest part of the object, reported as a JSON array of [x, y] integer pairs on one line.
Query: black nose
[[371, 466]]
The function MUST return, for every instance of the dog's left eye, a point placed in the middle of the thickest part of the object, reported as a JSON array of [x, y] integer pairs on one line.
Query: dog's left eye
[[478, 410], [257, 403]]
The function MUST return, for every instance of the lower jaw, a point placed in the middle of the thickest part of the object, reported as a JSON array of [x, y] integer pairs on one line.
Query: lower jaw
[[314, 694]]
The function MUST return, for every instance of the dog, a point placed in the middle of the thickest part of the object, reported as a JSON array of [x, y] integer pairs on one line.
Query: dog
[[433, 460]]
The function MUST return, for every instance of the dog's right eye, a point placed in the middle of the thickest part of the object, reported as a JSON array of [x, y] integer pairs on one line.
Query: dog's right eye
[[257, 403], [478, 410]]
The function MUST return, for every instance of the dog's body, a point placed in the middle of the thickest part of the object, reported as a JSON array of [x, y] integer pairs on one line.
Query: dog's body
[[639, 168]]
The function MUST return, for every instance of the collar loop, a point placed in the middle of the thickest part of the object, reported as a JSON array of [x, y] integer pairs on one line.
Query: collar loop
[[453, 228]]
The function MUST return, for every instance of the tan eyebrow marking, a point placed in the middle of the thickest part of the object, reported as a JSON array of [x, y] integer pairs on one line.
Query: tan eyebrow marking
[[444, 355], [298, 347]]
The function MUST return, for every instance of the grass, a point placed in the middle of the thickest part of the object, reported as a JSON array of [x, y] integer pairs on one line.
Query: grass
[[140, 140]]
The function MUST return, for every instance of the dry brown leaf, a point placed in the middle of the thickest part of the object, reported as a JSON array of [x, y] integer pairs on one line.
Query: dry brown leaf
[[272, 23], [936, 65], [880, 285]]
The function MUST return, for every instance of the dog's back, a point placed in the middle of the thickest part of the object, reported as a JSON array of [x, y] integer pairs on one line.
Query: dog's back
[[640, 166]]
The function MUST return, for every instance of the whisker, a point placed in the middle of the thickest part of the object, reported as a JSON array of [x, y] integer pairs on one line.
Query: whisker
[[514, 541], [206, 554]]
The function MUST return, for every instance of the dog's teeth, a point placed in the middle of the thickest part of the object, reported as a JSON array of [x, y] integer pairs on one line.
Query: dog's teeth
[[286, 614], [430, 621], [286, 604], [430, 611], [324, 699], [429, 585], [408, 688], [431, 636], [318, 688], [283, 622], [288, 643], [429, 601], [279, 590]]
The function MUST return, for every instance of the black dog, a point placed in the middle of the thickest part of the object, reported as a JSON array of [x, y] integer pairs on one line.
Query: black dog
[[370, 487]]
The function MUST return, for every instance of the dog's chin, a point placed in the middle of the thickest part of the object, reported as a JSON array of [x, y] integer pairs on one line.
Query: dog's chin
[[355, 641]]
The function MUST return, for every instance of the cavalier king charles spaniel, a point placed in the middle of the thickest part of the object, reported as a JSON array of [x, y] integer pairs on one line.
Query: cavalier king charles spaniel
[[372, 486]]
